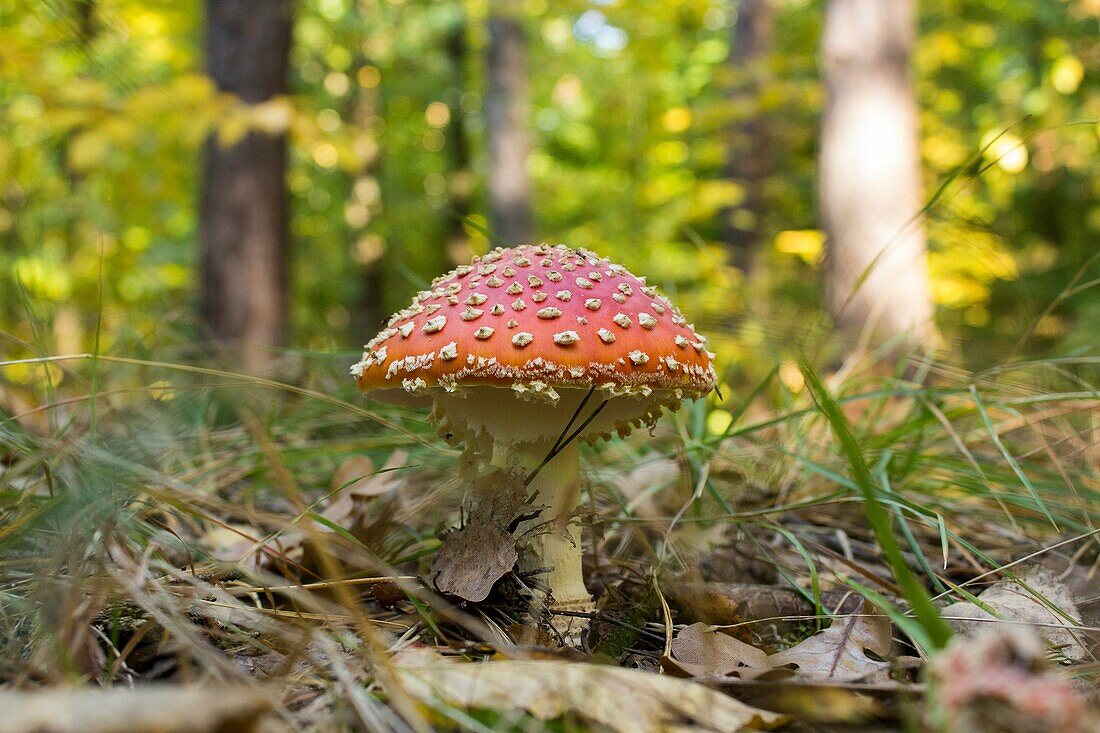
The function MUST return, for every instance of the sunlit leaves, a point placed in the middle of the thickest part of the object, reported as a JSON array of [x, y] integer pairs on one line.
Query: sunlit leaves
[[806, 244], [104, 127]]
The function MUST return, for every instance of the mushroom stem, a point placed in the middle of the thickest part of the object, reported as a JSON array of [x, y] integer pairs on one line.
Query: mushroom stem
[[553, 543]]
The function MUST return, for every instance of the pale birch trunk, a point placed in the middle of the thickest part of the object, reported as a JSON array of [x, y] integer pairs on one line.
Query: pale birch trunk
[[869, 172]]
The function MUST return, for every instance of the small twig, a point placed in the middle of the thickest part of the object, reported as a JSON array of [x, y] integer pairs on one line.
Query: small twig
[[666, 612], [579, 614], [569, 423], [320, 585], [345, 618], [570, 439]]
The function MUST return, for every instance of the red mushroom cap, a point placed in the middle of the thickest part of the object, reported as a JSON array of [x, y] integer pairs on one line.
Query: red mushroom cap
[[539, 317]]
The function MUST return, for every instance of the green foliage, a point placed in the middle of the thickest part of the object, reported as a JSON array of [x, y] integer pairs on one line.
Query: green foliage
[[106, 109], [934, 633], [1011, 79]]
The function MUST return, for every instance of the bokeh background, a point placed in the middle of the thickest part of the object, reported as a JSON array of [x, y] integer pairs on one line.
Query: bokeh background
[[882, 213], [673, 136]]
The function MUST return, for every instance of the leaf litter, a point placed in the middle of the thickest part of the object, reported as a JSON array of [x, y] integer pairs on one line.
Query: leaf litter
[[702, 651], [246, 622], [839, 652], [475, 556], [621, 700], [1028, 601]]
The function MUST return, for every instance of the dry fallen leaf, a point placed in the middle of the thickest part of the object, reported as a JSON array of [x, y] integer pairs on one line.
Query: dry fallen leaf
[[363, 504], [1013, 602], [472, 560], [840, 652], [152, 709], [826, 701], [358, 482], [622, 700], [701, 651]]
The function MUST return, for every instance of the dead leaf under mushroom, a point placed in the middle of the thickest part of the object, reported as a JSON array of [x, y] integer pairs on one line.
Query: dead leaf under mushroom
[[472, 560], [474, 557]]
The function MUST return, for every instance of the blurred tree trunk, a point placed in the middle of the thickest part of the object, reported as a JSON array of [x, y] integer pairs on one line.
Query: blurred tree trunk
[[869, 172], [87, 22], [68, 331], [368, 254], [243, 210], [460, 185], [372, 304], [748, 160], [506, 109]]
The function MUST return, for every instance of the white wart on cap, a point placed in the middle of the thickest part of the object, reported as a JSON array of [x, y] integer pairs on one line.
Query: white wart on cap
[[593, 325]]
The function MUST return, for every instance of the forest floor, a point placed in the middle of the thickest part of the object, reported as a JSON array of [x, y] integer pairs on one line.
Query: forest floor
[[862, 552]]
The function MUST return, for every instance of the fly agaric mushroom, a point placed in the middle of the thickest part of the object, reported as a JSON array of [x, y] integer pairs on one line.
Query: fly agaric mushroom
[[510, 350]]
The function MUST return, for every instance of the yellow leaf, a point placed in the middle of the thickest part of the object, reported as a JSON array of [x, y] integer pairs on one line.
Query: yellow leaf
[[272, 117], [87, 150], [670, 152], [42, 278], [232, 128], [86, 92], [677, 119], [161, 391], [806, 244], [710, 196], [1066, 74], [718, 421]]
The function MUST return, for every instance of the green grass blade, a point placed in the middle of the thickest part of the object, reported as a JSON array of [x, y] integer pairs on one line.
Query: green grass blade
[[912, 628], [996, 438], [935, 628]]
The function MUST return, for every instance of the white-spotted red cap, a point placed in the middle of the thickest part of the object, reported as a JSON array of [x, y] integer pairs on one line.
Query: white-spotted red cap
[[539, 317]]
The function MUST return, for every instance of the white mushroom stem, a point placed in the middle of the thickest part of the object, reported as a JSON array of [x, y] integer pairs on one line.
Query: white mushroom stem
[[553, 542], [514, 430]]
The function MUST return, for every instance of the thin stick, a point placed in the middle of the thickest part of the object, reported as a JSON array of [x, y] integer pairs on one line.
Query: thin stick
[[569, 424], [558, 449], [322, 584]]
